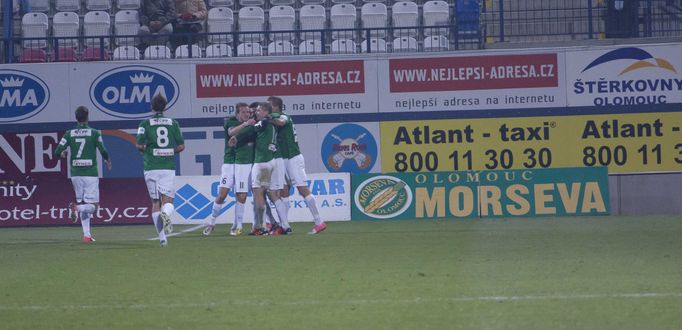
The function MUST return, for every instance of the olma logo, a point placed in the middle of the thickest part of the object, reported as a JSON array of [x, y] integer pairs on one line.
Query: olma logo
[[193, 205], [22, 95], [126, 92], [383, 197]]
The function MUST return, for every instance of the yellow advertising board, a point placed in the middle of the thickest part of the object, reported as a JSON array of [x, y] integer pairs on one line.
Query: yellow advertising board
[[625, 143]]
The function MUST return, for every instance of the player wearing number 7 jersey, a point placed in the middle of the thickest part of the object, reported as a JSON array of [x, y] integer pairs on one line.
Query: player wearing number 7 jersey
[[159, 139], [83, 143]]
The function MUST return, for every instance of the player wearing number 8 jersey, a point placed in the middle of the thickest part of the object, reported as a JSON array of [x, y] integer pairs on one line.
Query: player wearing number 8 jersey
[[83, 143], [159, 139]]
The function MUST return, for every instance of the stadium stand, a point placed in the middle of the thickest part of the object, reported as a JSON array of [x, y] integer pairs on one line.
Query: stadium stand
[[435, 25]]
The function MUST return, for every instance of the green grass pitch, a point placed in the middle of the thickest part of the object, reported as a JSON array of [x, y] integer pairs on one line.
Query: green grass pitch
[[532, 273]]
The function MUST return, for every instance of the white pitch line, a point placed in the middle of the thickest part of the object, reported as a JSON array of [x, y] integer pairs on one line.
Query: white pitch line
[[178, 233], [413, 301]]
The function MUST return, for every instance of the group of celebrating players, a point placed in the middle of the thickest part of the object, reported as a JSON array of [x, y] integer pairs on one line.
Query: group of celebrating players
[[261, 155]]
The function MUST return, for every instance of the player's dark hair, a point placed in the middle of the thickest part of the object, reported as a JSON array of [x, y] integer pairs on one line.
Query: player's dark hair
[[276, 102], [240, 105], [82, 114], [159, 103], [266, 106], [254, 105]]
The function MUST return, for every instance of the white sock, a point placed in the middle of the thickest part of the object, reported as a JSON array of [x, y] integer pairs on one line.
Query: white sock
[[85, 223], [159, 226], [285, 200], [216, 210], [168, 208], [89, 208], [312, 206], [282, 213], [238, 215]]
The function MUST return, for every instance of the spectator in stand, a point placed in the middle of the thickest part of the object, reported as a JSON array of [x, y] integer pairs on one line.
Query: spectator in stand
[[156, 20], [191, 15]]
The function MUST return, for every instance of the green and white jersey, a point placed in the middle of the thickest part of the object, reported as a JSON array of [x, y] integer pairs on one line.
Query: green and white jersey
[[266, 142], [229, 151], [286, 136], [83, 143], [160, 135], [244, 150]]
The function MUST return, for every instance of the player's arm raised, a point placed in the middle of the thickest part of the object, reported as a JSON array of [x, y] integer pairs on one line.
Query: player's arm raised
[[232, 131]]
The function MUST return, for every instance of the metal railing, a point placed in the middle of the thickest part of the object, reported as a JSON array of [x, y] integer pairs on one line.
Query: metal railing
[[472, 24], [293, 42]]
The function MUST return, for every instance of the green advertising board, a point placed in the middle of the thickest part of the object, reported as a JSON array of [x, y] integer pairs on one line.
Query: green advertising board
[[506, 193]]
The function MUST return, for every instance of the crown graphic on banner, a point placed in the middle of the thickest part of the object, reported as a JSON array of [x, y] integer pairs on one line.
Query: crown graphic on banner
[[11, 82], [141, 78]]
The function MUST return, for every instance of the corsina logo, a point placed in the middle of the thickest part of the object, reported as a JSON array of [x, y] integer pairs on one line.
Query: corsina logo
[[643, 60], [126, 92], [22, 95], [383, 197]]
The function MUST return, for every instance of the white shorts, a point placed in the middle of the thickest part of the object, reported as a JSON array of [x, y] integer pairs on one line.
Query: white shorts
[[226, 176], [160, 182], [278, 174], [261, 174], [242, 177], [86, 188], [296, 171]]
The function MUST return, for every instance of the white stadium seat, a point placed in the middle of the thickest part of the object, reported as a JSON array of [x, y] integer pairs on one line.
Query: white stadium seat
[[374, 15], [126, 23], [436, 13], [183, 51], [405, 15], [310, 47], [375, 46], [104, 5], [343, 16], [280, 47], [312, 17], [95, 24], [220, 20], [282, 18], [343, 46], [34, 25], [67, 5], [66, 24], [249, 49], [157, 52], [251, 19], [128, 4], [404, 44], [436, 44], [126, 53], [219, 50]]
